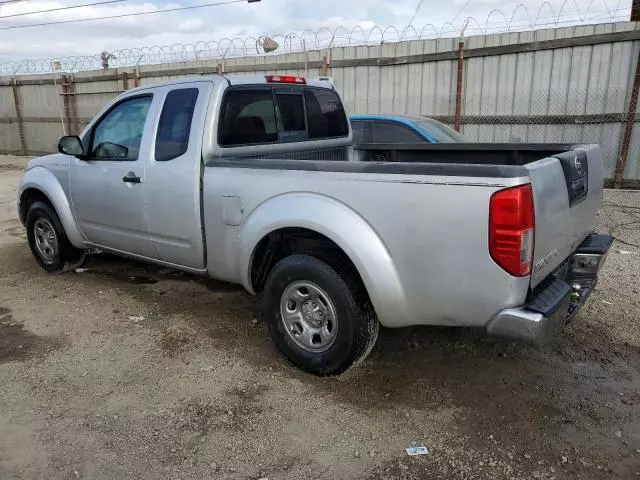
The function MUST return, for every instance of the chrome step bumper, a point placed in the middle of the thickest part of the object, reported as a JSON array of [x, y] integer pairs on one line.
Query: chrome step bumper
[[556, 301]]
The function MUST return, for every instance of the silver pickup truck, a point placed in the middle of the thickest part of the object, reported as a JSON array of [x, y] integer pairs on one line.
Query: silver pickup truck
[[254, 180]]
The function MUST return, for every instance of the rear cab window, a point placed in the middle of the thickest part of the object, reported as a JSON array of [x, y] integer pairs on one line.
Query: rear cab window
[[172, 139], [280, 114]]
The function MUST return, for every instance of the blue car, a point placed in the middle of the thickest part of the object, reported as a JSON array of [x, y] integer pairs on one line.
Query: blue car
[[401, 129]]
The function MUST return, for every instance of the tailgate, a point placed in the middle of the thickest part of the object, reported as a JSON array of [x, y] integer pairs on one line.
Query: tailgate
[[567, 193]]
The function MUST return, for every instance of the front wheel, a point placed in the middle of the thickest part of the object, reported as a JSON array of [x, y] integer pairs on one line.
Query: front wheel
[[319, 317], [48, 241]]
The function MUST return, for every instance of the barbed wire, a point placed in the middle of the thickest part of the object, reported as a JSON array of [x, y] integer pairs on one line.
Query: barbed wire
[[340, 36]]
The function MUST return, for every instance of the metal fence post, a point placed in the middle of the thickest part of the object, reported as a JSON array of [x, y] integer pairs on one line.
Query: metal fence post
[[621, 164], [125, 81], [67, 106], [73, 103], [325, 65], [458, 113], [18, 107]]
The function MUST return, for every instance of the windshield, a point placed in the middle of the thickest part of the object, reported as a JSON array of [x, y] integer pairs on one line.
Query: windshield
[[439, 132]]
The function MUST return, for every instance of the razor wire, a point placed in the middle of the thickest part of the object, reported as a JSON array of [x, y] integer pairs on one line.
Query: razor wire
[[521, 19]]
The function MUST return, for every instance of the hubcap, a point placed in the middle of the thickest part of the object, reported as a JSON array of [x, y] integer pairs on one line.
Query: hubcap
[[46, 240], [309, 316]]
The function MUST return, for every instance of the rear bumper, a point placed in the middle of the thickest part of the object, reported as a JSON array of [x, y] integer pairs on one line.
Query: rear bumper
[[558, 298]]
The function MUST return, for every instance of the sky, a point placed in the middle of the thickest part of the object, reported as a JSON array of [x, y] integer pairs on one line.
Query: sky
[[245, 19]]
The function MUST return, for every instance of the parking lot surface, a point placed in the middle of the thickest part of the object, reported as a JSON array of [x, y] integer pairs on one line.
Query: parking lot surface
[[130, 371]]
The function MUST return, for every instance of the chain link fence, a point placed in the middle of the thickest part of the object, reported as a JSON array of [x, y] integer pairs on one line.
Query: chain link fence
[[545, 117]]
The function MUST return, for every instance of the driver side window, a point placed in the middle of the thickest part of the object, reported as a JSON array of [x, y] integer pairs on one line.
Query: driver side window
[[118, 134]]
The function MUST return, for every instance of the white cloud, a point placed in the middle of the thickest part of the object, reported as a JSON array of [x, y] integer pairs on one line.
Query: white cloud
[[191, 25], [240, 20]]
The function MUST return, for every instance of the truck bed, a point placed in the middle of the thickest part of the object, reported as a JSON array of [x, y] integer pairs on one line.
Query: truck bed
[[566, 181], [503, 154], [486, 160]]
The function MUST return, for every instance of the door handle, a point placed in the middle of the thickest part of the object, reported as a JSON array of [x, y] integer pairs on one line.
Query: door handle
[[131, 178]]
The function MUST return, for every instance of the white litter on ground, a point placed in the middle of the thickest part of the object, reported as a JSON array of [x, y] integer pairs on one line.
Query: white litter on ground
[[417, 451]]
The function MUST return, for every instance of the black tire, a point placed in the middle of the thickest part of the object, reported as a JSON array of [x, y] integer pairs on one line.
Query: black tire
[[65, 255], [357, 325]]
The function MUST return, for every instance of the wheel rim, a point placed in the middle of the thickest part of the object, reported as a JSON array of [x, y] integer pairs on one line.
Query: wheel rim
[[309, 316], [46, 240]]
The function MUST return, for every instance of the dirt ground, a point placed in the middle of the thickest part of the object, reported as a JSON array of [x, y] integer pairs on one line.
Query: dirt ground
[[128, 371]]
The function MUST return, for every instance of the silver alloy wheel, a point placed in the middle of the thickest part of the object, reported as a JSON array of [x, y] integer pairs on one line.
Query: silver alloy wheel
[[46, 240], [309, 316]]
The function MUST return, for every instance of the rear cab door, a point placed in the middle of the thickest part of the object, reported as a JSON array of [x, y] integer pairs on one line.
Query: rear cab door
[[258, 121], [173, 172]]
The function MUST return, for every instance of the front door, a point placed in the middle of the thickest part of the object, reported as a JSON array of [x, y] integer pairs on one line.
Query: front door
[[108, 189]]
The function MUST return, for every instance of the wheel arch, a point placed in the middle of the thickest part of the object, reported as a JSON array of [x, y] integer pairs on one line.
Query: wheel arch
[[39, 184], [322, 217], [287, 241]]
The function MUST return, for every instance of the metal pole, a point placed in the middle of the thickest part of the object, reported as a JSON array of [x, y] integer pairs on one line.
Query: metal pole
[[306, 59], [326, 61], [16, 101], [458, 113], [125, 81], [136, 78], [66, 90], [55, 85], [628, 129], [74, 124], [459, 86]]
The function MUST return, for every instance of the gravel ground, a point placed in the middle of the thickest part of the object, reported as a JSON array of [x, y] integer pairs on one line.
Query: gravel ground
[[131, 371]]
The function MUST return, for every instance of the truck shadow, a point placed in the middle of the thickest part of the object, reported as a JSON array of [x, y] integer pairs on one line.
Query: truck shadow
[[137, 273]]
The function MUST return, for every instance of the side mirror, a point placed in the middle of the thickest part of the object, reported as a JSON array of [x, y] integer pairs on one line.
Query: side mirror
[[71, 145]]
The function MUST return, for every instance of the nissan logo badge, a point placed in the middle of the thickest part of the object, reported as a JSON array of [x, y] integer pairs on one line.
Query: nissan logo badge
[[578, 164]]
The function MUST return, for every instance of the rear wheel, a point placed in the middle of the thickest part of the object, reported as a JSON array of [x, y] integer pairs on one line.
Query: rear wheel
[[319, 316], [48, 242]]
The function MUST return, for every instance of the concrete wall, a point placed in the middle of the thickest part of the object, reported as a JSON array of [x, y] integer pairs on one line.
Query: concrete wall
[[569, 84]]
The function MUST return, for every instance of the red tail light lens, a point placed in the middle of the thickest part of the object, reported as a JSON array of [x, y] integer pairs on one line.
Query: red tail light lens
[[511, 229], [285, 79]]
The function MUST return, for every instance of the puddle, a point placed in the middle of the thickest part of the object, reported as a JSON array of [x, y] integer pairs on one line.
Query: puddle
[[135, 273], [134, 279], [18, 344]]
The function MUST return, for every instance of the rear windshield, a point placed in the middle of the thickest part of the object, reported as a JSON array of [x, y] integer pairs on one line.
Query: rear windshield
[[439, 132], [253, 116]]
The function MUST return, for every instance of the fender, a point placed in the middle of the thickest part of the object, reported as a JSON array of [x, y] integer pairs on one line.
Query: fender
[[343, 226], [39, 178]]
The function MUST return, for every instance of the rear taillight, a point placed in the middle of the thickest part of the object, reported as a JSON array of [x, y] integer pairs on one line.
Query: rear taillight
[[285, 79], [511, 229]]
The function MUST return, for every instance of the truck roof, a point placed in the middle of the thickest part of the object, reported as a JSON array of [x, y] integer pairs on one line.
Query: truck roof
[[233, 80]]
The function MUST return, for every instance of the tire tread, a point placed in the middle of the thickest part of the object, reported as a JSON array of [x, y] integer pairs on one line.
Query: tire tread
[[365, 331], [70, 257]]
